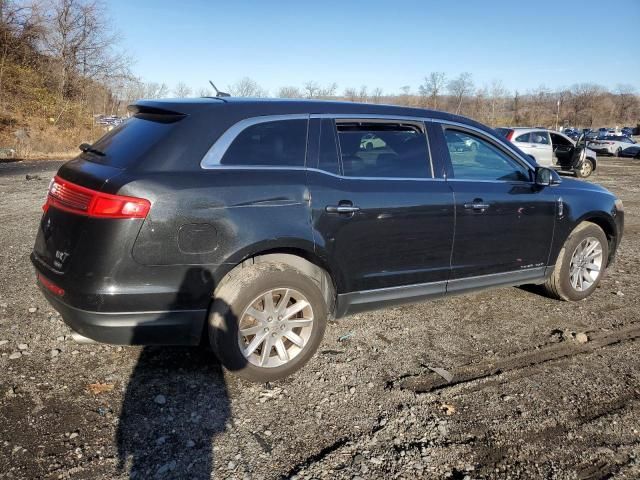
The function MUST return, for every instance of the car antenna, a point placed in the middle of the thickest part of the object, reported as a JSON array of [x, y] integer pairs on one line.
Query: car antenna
[[218, 92]]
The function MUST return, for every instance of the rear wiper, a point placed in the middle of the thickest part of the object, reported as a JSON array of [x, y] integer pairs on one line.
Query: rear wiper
[[85, 147]]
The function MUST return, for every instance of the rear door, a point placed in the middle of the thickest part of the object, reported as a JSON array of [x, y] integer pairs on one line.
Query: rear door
[[504, 222], [541, 145], [379, 217]]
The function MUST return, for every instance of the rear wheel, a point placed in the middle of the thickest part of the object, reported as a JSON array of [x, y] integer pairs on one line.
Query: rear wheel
[[580, 265], [585, 169], [266, 321]]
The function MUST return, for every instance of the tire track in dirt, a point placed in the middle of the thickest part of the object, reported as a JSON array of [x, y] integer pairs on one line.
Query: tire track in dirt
[[425, 383]]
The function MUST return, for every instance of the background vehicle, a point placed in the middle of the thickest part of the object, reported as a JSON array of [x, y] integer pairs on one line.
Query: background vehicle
[[611, 145], [552, 149], [631, 152], [250, 223]]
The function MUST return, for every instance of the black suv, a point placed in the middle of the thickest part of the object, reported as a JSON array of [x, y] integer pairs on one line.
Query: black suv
[[246, 224]]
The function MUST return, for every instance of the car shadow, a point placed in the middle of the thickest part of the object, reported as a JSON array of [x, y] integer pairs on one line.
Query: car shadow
[[175, 404]]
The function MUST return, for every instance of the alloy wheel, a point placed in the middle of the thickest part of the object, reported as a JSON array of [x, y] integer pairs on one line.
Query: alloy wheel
[[275, 327], [586, 168], [586, 264]]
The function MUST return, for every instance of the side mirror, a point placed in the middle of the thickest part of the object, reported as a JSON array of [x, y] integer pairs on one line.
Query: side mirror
[[544, 176]]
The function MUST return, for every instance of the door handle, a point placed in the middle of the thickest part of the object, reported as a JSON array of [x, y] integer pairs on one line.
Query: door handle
[[477, 205], [341, 209]]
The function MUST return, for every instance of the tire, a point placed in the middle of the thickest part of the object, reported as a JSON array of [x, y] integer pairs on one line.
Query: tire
[[251, 286], [560, 284], [585, 170]]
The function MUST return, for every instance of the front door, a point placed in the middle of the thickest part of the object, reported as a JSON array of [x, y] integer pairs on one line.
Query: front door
[[504, 221], [379, 217]]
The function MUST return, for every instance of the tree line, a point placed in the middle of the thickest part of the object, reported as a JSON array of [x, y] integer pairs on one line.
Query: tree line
[[580, 105], [61, 65]]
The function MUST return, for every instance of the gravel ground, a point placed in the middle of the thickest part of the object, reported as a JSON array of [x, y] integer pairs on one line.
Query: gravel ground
[[541, 388]]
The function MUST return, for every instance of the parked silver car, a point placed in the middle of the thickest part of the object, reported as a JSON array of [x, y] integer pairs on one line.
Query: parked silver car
[[612, 145], [553, 149]]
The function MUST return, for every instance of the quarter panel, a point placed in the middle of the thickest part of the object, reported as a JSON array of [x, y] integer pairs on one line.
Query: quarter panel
[[236, 208]]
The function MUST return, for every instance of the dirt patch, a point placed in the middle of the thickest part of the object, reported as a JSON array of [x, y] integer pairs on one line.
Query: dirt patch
[[527, 399]]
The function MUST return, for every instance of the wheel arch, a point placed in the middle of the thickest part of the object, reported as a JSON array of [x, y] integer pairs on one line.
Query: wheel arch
[[607, 225], [303, 259]]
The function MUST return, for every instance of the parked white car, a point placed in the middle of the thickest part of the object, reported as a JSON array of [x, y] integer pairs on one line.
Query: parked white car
[[612, 145], [552, 149]]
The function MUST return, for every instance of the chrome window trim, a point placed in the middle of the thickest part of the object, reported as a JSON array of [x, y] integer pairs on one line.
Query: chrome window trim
[[317, 170], [214, 155], [212, 158], [370, 116]]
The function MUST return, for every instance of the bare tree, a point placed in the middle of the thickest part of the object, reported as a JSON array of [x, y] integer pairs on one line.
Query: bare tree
[[350, 94], [246, 87], [433, 85], [459, 88], [205, 92], [289, 92], [376, 95], [582, 102], [328, 91], [626, 102], [80, 38], [497, 94], [182, 90], [155, 90], [311, 89]]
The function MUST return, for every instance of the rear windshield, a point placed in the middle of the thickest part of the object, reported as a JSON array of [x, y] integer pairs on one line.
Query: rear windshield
[[128, 141], [503, 132]]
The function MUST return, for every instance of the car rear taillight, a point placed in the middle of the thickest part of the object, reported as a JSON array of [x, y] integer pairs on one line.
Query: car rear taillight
[[509, 135], [49, 285], [73, 198]]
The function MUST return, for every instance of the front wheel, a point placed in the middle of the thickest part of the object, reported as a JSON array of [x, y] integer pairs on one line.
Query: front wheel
[[585, 169], [580, 265], [266, 321]]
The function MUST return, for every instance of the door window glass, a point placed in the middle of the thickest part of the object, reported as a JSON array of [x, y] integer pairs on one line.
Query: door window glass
[[524, 138], [540, 138], [393, 150], [474, 158], [328, 155]]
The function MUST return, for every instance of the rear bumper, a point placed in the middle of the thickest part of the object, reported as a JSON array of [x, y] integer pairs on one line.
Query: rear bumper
[[177, 327]]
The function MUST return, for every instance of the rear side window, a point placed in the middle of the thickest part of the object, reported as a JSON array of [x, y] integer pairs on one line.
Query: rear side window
[[541, 138], [128, 141], [524, 138], [392, 150], [279, 143]]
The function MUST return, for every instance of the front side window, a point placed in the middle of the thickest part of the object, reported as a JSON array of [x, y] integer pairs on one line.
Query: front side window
[[280, 143], [392, 150], [474, 158]]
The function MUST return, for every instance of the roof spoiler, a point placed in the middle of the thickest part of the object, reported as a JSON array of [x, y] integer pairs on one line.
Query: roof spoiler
[[155, 114]]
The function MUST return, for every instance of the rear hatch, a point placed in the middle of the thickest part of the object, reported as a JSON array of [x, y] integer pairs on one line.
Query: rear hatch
[[80, 206]]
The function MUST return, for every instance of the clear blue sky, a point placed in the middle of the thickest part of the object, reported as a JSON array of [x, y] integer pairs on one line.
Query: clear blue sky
[[384, 44]]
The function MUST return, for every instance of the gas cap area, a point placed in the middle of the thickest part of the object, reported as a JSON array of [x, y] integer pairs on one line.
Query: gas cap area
[[197, 238]]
